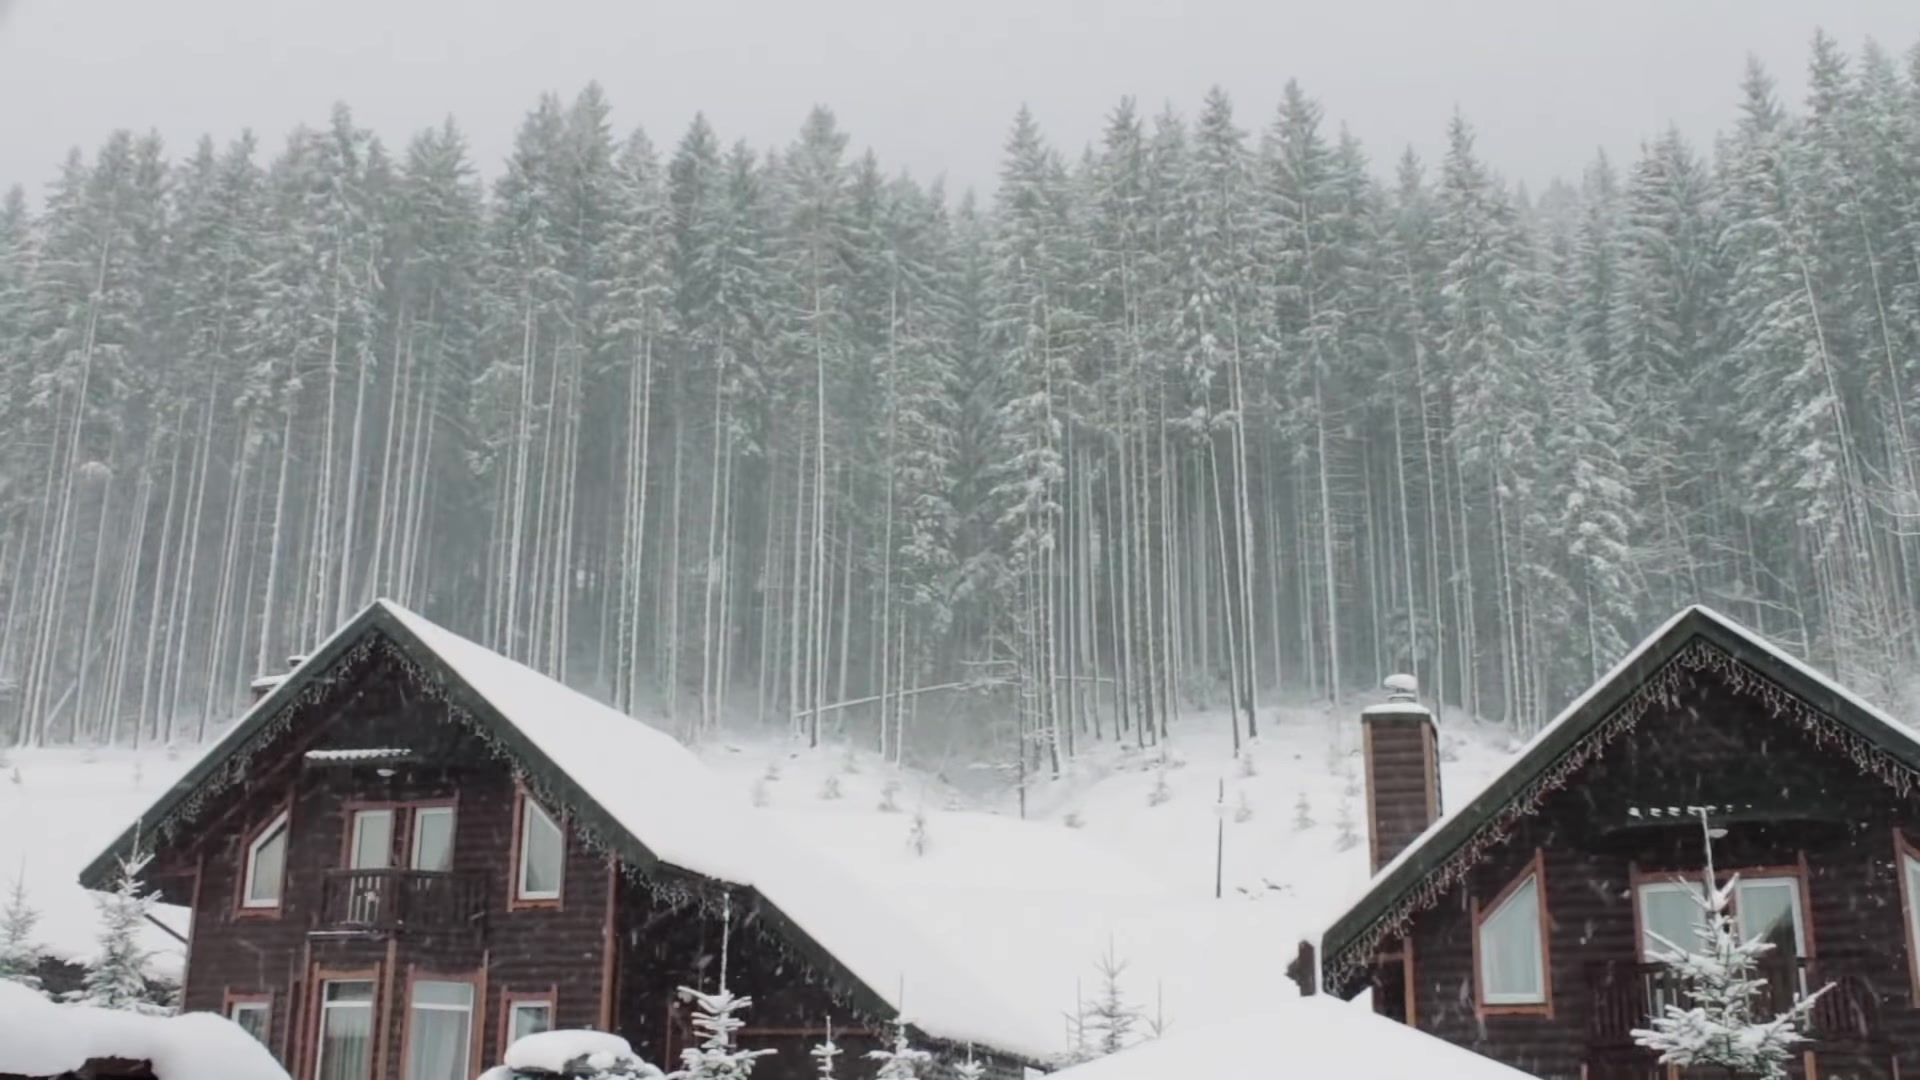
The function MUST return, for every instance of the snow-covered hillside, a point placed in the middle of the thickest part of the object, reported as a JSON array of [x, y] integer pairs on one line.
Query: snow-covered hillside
[[1118, 856]]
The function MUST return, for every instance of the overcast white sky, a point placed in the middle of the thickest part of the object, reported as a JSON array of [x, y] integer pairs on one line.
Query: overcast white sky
[[930, 86]]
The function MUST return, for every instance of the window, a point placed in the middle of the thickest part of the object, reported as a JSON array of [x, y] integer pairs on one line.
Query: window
[[528, 1016], [433, 838], [439, 1030], [252, 1016], [1910, 892], [266, 865], [372, 840], [541, 850], [1510, 946], [346, 1031], [1671, 917]]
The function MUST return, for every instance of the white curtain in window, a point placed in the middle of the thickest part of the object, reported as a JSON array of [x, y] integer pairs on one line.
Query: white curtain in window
[[346, 1031], [540, 851], [266, 862], [1769, 910], [433, 838], [1671, 917], [439, 1030], [372, 839], [1511, 965]]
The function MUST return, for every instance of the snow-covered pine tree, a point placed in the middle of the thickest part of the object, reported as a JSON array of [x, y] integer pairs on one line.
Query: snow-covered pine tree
[[1111, 1019], [116, 978], [902, 1060], [716, 1058], [824, 1052], [1717, 1022], [19, 956]]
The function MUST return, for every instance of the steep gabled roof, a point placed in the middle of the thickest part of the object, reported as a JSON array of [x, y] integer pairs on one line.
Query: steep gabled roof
[[644, 797], [1698, 639]]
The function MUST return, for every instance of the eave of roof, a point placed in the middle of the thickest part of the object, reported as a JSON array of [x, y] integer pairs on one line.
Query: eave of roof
[[1560, 736]]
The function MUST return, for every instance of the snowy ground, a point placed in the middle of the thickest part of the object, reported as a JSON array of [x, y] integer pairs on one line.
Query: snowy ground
[[1119, 854]]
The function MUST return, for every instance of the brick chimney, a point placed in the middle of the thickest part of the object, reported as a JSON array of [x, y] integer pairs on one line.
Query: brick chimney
[[1403, 769]]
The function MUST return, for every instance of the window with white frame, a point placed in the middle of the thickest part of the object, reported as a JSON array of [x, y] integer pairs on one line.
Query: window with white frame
[[266, 865], [528, 1016], [345, 1047], [1910, 867], [541, 853], [433, 838], [1673, 915], [252, 1017], [439, 1030], [1511, 952], [372, 840]]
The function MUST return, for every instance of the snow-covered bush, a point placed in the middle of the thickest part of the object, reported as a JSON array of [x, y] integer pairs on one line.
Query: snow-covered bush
[[572, 1055], [830, 787], [1348, 837], [1160, 792], [889, 801], [917, 837], [1717, 1024], [1302, 813], [1242, 809]]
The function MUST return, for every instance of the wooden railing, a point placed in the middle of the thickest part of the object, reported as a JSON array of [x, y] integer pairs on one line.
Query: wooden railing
[[392, 899], [1624, 996]]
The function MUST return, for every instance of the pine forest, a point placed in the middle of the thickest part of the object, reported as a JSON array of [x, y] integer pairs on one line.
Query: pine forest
[[1224, 408]]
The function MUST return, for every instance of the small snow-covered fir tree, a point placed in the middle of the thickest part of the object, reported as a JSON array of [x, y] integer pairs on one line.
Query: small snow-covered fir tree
[[902, 1060], [1348, 837], [19, 956], [716, 1058], [970, 1069], [116, 979], [1715, 1023], [824, 1052], [1109, 1023], [917, 837], [1302, 813], [1161, 792]]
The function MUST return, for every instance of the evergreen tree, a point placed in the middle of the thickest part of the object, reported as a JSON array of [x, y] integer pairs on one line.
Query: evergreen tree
[[1717, 1023], [19, 956], [116, 978], [902, 1060]]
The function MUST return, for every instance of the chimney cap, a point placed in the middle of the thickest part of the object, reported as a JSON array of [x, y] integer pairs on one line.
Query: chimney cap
[[1402, 699], [1401, 687]]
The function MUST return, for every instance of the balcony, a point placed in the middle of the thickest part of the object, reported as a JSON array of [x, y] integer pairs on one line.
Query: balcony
[[1624, 995], [386, 901]]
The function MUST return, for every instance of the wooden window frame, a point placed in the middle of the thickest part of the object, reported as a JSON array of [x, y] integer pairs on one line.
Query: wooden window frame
[[231, 1000], [243, 906], [410, 842], [317, 1017], [515, 900], [476, 1027], [1904, 851], [550, 997], [1535, 871]]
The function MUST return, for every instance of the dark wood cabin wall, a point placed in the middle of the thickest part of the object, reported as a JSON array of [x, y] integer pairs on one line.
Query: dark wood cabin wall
[[1707, 744], [559, 949]]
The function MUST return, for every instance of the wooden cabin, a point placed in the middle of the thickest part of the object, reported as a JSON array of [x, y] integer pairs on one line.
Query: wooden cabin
[[412, 850], [1525, 924]]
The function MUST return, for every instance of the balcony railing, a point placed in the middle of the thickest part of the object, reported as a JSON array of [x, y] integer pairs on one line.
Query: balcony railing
[[1624, 996], [387, 900]]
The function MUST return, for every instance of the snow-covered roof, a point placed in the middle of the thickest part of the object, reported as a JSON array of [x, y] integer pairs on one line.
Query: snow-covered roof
[[658, 795], [1551, 743], [1314, 1036], [40, 1038]]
